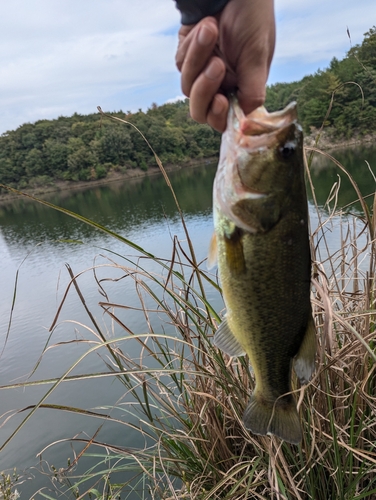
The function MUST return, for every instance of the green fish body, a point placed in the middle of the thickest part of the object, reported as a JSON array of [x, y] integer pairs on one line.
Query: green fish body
[[262, 248]]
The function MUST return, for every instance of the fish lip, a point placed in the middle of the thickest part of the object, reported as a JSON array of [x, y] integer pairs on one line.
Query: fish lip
[[260, 121], [260, 130]]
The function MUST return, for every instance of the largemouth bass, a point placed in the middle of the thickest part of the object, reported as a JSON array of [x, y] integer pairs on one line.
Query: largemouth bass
[[262, 247]]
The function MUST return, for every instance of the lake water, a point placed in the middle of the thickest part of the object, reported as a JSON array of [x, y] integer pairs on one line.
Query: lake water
[[37, 242]]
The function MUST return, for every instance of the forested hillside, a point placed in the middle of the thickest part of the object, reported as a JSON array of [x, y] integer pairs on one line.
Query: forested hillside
[[81, 148], [352, 83], [88, 147]]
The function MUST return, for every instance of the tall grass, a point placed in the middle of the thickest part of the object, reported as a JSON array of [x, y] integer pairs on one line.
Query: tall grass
[[188, 398]]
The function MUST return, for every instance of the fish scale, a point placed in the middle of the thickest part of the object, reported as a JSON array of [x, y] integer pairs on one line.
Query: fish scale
[[261, 245]]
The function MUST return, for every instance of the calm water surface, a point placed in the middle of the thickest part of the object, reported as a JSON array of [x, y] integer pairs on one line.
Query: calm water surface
[[32, 243]]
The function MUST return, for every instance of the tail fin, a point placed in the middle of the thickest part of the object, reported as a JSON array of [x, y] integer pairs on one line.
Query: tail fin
[[278, 417]]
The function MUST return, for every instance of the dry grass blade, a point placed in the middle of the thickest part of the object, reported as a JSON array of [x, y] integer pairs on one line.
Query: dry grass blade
[[364, 205]]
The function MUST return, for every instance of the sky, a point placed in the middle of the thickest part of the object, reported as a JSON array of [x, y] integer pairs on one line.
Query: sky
[[58, 57]]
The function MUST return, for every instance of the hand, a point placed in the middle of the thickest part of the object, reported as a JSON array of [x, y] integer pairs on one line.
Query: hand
[[231, 51]]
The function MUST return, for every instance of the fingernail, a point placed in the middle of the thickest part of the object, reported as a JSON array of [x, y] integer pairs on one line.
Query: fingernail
[[205, 36], [214, 70]]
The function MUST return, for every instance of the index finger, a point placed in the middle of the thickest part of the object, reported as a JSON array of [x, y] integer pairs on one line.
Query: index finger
[[184, 41], [196, 45]]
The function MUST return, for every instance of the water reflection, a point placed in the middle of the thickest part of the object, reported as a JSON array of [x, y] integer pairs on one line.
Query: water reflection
[[325, 173], [142, 210]]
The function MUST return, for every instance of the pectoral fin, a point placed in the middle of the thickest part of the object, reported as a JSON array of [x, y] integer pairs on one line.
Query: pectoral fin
[[304, 361], [213, 253], [226, 340], [234, 252]]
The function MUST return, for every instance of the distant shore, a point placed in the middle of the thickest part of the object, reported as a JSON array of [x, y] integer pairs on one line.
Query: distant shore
[[326, 143], [112, 176]]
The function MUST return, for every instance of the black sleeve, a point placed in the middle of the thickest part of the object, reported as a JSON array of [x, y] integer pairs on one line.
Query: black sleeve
[[193, 11]]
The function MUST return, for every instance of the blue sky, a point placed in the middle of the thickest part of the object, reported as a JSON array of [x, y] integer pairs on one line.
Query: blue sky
[[58, 57]]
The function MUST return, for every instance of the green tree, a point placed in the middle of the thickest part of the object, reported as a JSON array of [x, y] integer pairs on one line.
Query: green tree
[[33, 163], [56, 157], [115, 145], [81, 161], [7, 174]]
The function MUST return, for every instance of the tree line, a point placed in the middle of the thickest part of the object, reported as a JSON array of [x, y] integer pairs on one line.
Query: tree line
[[87, 147], [343, 96]]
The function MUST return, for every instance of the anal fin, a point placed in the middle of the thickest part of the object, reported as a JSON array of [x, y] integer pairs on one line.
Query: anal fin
[[304, 361], [225, 340]]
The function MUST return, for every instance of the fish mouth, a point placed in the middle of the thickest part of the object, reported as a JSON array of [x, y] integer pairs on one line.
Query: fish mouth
[[260, 129], [260, 121], [258, 134], [249, 145]]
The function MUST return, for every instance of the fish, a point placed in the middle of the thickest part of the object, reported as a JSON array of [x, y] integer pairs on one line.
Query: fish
[[261, 246]]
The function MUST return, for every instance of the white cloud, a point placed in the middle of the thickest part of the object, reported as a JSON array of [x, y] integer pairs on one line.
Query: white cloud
[[316, 30], [311, 32], [73, 56], [176, 99], [58, 57]]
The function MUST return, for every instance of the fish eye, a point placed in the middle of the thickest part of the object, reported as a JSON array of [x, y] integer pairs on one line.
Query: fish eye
[[287, 150]]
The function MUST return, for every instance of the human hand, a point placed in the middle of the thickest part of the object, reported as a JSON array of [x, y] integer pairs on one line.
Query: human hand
[[231, 51]]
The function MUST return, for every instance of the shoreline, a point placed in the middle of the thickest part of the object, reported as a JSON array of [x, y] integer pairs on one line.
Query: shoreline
[[325, 143], [113, 176]]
